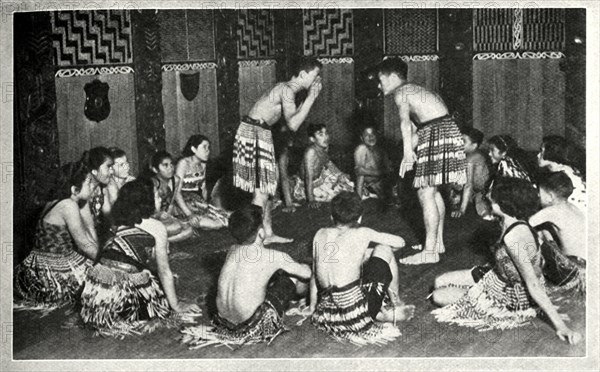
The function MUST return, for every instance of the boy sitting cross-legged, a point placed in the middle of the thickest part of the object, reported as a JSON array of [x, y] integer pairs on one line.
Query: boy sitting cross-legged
[[351, 281], [255, 287]]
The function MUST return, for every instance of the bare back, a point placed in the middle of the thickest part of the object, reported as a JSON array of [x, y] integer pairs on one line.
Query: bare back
[[338, 255], [424, 104], [571, 227], [243, 281]]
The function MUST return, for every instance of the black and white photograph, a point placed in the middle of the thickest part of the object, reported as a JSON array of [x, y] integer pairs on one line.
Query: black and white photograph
[[299, 185]]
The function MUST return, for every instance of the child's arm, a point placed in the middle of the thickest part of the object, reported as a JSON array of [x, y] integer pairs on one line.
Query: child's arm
[[409, 157], [85, 241], [313, 279], [295, 116], [88, 221], [394, 241], [467, 192], [285, 180], [310, 161], [542, 216], [517, 242], [180, 172], [107, 205], [171, 206]]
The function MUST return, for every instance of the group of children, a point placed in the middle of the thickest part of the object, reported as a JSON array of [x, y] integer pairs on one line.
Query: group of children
[[120, 279]]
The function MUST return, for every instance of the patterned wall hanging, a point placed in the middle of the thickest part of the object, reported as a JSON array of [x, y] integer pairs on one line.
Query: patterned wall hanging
[[328, 32], [256, 34], [186, 35], [410, 31], [518, 33], [97, 37], [543, 29]]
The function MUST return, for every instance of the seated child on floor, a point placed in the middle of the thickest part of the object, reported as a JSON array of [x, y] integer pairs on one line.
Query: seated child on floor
[[478, 175], [121, 174], [563, 228], [166, 182], [320, 180], [131, 288], [350, 281], [372, 167], [512, 291], [255, 287], [557, 154], [288, 161], [191, 193]]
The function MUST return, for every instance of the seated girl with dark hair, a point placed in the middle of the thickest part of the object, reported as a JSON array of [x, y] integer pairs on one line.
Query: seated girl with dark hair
[[165, 181], [512, 291], [100, 163], [559, 155], [191, 195], [65, 245], [121, 293]]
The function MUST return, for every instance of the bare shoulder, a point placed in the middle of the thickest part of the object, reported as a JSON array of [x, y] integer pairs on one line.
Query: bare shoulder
[[361, 149], [518, 234], [154, 227]]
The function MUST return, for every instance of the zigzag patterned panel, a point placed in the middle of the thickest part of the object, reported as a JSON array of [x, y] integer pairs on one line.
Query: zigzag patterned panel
[[97, 37], [544, 29], [410, 31], [492, 30], [256, 34], [328, 32]]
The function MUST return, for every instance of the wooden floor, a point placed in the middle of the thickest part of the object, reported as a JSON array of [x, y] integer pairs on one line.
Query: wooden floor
[[197, 262]]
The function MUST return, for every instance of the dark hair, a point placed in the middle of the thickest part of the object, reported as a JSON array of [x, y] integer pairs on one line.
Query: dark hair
[[135, 202], [70, 174], [346, 208], [516, 197], [507, 144], [393, 66], [475, 135], [306, 64], [194, 141], [158, 158], [95, 157], [245, 222], [556, 182], [559, 150], [313, 128], [116, 152]]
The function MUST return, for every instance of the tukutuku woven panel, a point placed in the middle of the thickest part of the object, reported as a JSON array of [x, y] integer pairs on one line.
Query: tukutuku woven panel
[[544, 29], [328, 32], [91, 37], [256, 34], [410, 31]]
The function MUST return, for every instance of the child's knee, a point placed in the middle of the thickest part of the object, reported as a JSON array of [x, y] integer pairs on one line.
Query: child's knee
[[384, 252], [439, 281]]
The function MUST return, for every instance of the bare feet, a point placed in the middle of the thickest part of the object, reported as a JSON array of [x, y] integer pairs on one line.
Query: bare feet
[[277, 239], [396, 314], [424, 257]]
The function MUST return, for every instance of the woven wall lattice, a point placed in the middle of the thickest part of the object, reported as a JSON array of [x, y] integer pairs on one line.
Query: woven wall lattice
[[492, 30], [256, 34], [91, 37], [328, 32], [410, 31], [544, 29]]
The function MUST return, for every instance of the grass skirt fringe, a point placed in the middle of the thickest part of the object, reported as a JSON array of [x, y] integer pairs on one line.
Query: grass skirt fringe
[[344, 315], [116, 303], [45, 280], [490, 304], [264, 326], [254, 156], [440, 154]]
